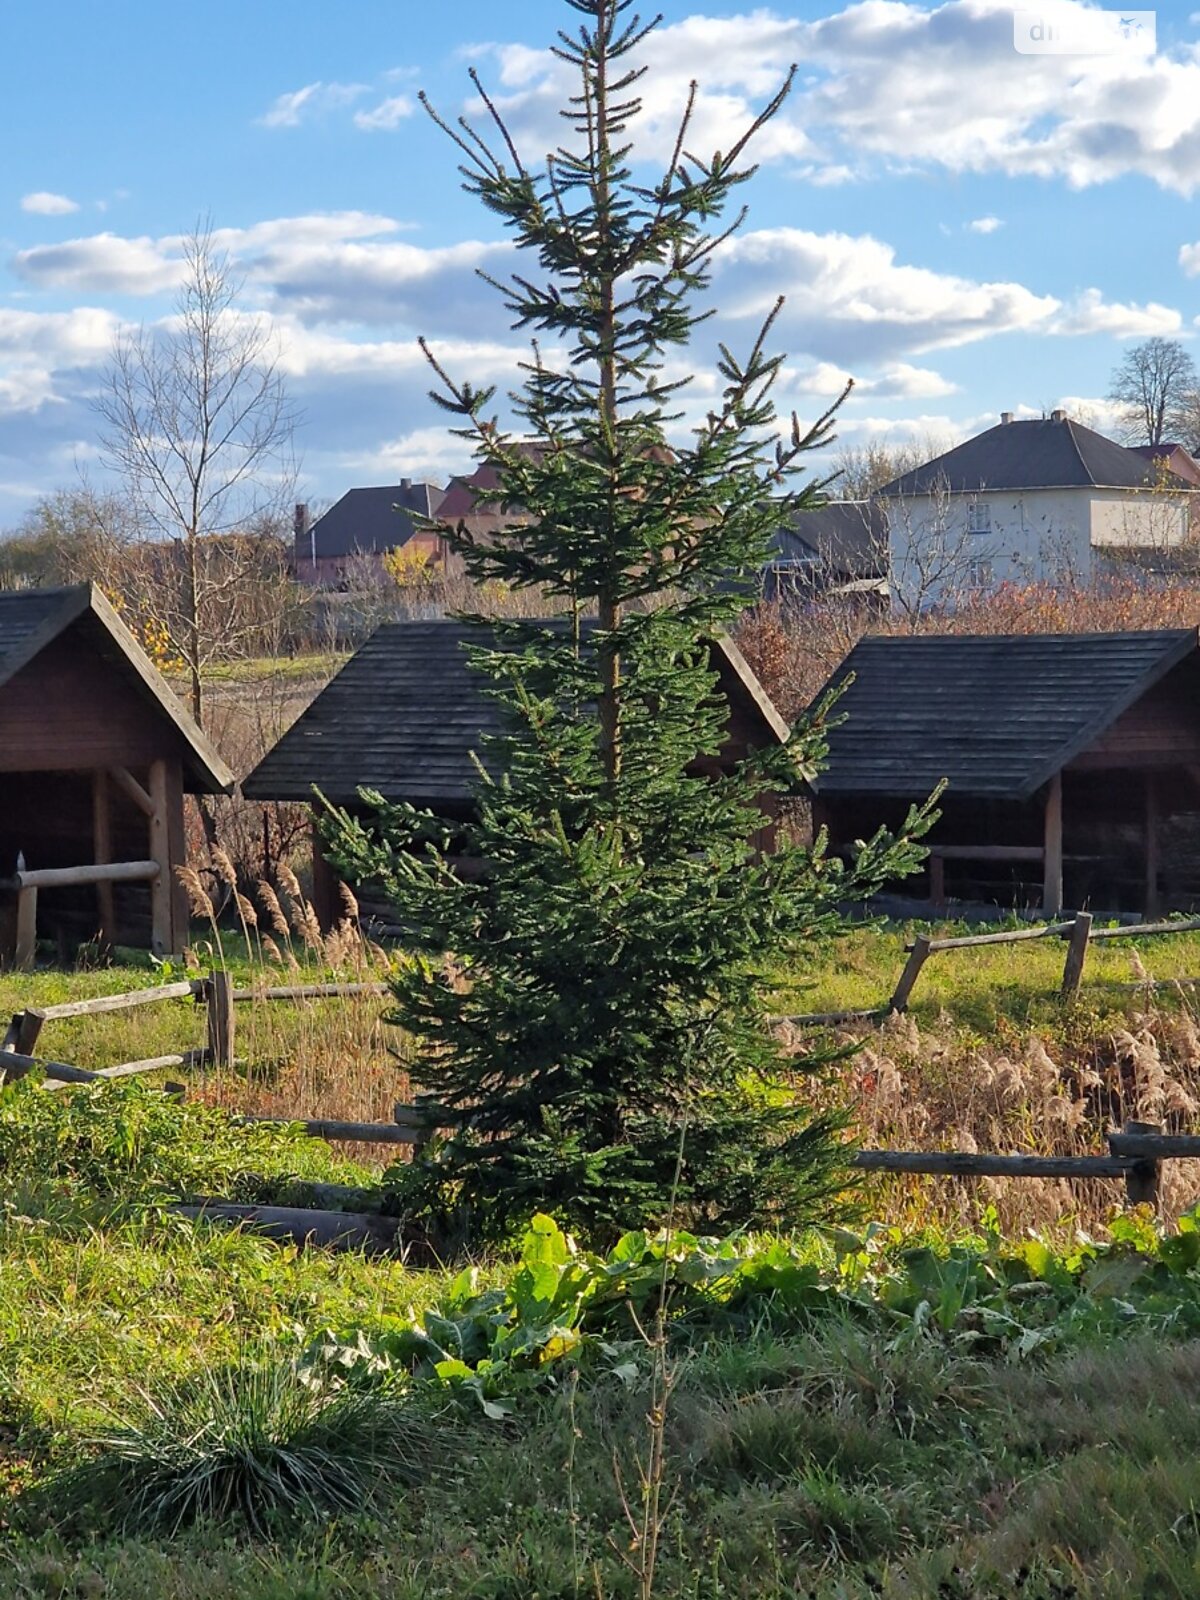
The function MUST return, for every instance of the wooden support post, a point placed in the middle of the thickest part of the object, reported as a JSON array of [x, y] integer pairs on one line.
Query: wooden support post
[[916, 960], [1150, 897], [219, 995], [26, 948], [102, 854], [181, 910], [937, 880], [26, 1028], [1052, 883], [161, 931], [324, 883], [1077, 953], [1142, 1179]]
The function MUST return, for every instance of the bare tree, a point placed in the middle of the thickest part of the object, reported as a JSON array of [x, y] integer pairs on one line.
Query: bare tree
[[1156, 386], [197, 422], [936, 558], [862, 470], [69, 536]]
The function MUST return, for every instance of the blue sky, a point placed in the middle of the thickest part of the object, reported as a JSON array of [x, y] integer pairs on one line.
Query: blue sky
[[962, 228]]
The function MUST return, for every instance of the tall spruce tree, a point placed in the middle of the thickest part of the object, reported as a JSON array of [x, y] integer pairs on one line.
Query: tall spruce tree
[[590, 1014]]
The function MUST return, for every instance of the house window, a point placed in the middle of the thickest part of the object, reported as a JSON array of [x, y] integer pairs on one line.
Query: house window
[[979, 517], [979, 574]]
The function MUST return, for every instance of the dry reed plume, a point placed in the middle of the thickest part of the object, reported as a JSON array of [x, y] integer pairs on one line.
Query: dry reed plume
[[924, 1088]]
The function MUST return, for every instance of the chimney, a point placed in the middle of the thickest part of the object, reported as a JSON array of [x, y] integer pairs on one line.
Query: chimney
[[1006, 417], [1058, 416], [405, 485]]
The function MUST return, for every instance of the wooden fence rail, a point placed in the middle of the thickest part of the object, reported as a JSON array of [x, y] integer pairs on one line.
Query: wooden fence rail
[[1078, 932], [1135, 1154]]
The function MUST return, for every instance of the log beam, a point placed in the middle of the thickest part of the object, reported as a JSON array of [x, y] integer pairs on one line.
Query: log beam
[[132, 789]]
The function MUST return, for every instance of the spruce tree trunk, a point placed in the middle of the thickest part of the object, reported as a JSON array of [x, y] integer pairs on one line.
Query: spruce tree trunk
[[608, 608]]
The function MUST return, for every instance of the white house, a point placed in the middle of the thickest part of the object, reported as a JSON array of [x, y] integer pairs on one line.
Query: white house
[[1027, 502]]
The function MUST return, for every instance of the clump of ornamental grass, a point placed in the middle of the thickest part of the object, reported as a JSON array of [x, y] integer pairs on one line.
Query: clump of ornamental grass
[[257, 1443]]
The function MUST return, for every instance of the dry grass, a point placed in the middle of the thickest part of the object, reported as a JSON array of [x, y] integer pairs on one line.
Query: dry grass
[[989, 1059], [322, 1057], [1057, 1090]]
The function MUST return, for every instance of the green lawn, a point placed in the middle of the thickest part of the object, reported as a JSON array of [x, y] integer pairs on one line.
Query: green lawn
[[979, 1449], [978, 987], [830, 1454]]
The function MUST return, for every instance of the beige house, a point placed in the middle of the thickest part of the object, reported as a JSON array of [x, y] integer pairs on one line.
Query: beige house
[[1026, 502]]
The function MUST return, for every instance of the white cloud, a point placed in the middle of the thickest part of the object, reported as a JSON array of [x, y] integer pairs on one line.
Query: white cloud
[[984, 225], [896, 381], [1103, 415], [849, 300], [901, 381], [1189, 259], [102, 263], [946, 431], [1089, 312], [42, 203], [386, 116], [65, 337], [297, 105], [825, 379], [45, 356], [429, 453], [895, 85], [944, 85], [109, 263]]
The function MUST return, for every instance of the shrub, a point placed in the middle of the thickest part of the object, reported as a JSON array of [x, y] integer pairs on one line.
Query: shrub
[[257, 1442], [131, 1141]]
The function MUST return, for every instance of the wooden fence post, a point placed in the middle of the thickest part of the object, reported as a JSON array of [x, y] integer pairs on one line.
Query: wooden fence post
[[1142, 1179], [917, 959], [219, 997], [26, 949], [1076, 953]]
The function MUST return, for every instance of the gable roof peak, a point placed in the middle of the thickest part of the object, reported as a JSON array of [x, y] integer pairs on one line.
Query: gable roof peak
[[1054, 452], [31, 619]]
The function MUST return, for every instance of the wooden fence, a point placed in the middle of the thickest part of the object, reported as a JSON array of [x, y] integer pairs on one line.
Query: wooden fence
[[1135, 1154], [1078, 933]]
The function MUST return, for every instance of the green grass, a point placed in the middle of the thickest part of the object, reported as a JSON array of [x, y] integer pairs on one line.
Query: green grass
[[317, 665], [823, 1464], [983, 988], [838, 1459], [981, 991], [149, 1374]]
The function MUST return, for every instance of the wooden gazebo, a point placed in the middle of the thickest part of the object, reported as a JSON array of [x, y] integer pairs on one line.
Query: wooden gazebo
[[407, 716], [1072, 763], [96, 754]]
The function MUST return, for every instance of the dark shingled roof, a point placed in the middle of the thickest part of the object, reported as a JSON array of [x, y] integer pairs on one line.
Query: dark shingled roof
[[373, 520], [404, 715], [995, 715], [22, 613], [31, 619], [1043, 454], [848, 538]]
